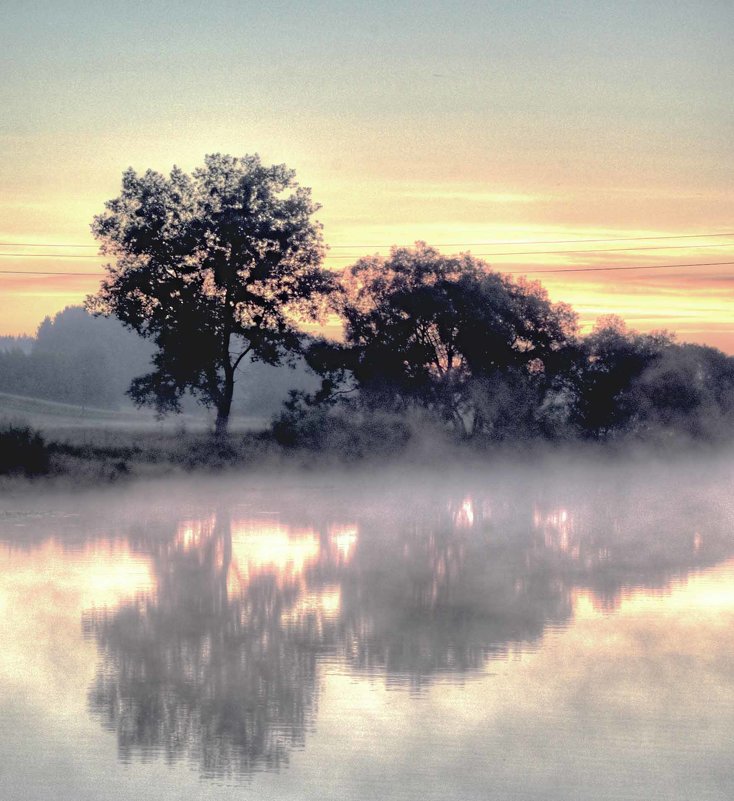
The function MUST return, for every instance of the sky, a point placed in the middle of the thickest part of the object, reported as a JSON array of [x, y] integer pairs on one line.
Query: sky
[[508, 129]]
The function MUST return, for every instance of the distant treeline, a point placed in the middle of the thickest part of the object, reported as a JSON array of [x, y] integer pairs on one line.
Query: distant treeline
[[91, 361], [75, 358], [24, 343]]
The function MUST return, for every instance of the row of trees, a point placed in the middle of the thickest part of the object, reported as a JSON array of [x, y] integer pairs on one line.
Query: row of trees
[[493, 359], [22, 343], [225, 265]]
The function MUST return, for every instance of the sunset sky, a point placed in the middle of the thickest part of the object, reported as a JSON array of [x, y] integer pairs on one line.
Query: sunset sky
[[473, 126]]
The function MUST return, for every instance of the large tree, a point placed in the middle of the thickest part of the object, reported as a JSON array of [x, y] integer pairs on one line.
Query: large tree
[[212, 267], [443, 332]]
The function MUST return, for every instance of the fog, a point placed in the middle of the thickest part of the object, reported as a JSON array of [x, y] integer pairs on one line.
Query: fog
[[215, 620]]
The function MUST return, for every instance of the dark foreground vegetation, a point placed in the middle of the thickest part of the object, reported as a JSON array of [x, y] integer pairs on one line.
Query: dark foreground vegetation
[[82, 457], [23, 451], [216, 272]]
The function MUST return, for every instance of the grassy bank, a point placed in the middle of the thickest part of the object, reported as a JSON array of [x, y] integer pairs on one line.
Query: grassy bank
[[72, 447], [92, 455], [65, 420], [59, 441]]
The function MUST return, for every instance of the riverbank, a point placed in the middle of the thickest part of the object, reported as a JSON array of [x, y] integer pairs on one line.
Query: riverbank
[[98, 456]]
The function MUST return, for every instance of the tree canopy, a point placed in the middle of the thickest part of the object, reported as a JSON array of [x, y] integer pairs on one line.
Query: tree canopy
[[426, 329], [436, 339], [648, 385], [219, 268], [212, 267]]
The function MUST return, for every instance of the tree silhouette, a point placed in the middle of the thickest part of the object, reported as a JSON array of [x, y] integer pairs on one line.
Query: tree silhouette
[[444, 334], [614, 357], [687, 391], [212, 267]]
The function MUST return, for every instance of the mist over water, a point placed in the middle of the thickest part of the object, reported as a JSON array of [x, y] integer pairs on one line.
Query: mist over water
[[555, 629]]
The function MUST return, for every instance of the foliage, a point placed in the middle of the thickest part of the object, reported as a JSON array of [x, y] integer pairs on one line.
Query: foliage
[[443, 333], [91, 361], [22, 451], [613, 358], [21, 343], [495, 360], [687, 391], [262, 388], [343, 430], [217, 269], [212, 267]]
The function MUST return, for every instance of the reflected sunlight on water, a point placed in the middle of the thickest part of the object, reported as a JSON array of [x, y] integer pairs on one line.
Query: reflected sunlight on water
[[708, 595]]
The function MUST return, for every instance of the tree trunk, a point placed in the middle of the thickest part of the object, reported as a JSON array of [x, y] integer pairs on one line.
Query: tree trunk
[[223, 409], [224, 402]]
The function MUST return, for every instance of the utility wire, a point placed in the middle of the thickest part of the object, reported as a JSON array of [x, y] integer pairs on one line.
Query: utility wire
[[586, 250], [495, 253], [50, 256], [549, 241], [631, 267], [439, 244], [42, 272], [43, 245], [507, 272]]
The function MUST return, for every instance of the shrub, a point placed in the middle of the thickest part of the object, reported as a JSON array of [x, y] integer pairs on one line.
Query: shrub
[[22, 451], [342, 431]]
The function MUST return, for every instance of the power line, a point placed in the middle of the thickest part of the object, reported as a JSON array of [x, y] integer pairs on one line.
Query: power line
[[48, 256], [43, 245], [440, 244], [587, 250], [551, 241], [631, 267], [495, 253], [509, 272]]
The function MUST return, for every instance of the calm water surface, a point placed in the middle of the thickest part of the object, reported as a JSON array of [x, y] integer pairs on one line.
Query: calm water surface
[[547, 632]]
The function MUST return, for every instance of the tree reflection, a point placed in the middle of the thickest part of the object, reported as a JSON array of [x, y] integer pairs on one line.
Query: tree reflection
[[192, 671], [221, 665], [444, 594]]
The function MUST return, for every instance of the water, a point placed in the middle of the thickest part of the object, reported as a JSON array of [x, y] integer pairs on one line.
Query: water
[[552, 631]]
